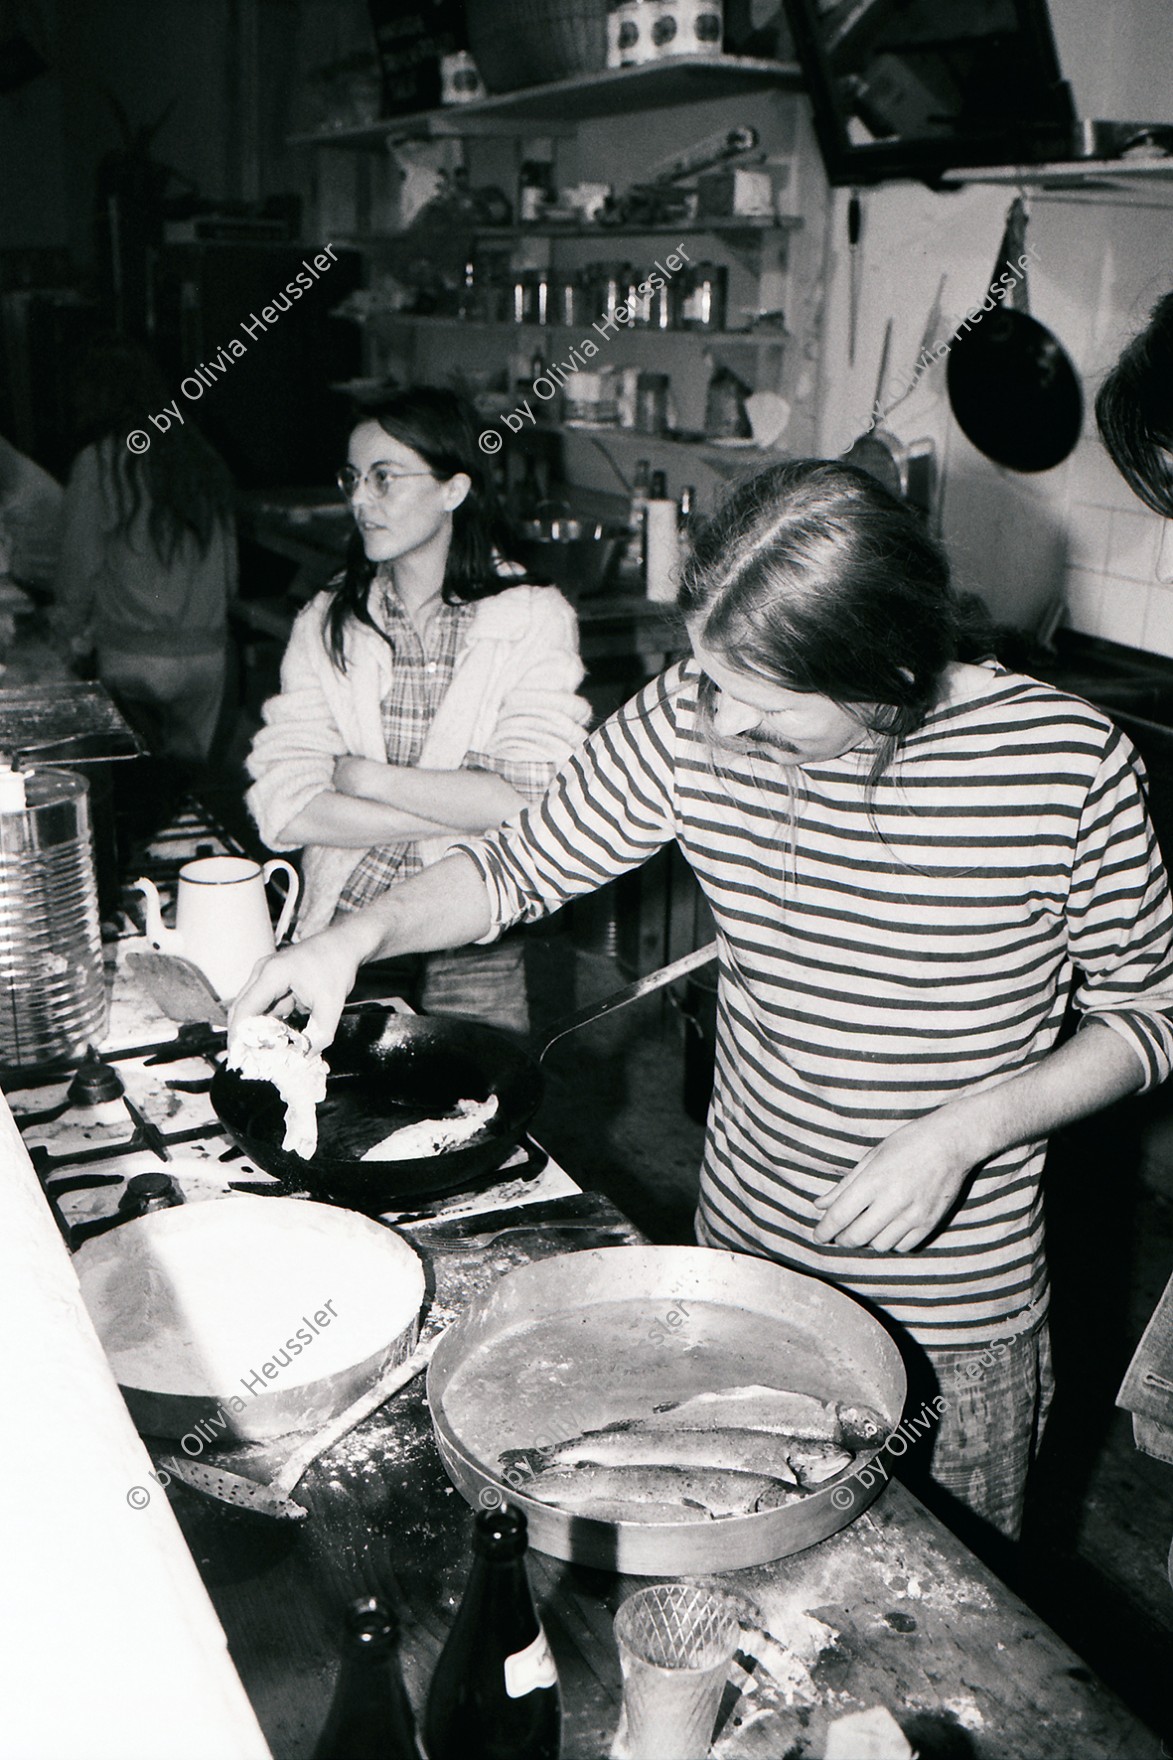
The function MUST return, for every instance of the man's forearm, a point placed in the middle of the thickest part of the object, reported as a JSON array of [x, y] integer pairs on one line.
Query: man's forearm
[[1091, 1070], [444, 906]]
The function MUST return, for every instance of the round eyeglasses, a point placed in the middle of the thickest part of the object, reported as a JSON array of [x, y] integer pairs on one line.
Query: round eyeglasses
[[383, 478]]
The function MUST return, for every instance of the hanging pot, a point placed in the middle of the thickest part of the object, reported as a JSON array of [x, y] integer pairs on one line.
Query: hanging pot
[[1011, 383]]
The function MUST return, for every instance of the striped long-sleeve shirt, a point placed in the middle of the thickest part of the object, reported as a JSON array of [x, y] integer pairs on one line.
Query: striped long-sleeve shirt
[[880, 954]]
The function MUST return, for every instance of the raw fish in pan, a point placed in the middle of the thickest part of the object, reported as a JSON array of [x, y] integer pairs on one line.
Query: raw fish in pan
[[793, 1460], [629, 1493]]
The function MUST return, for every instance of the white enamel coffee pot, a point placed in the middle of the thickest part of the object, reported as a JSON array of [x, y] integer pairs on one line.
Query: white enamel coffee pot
[[222, 921]]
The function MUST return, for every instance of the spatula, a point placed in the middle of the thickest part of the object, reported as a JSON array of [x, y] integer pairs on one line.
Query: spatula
[[271, 1497], [178, 987]]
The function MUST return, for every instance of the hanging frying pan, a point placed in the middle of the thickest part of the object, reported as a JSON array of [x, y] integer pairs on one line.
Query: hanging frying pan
[[1011, 383], [388, 1070]]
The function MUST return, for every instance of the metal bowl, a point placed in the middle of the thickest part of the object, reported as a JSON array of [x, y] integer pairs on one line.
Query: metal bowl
[[573, 554], [571, 1343]]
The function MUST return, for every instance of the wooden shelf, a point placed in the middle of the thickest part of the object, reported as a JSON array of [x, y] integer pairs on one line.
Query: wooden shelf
[[755, 225], [681, 79], [531, 332], [1098, 175]]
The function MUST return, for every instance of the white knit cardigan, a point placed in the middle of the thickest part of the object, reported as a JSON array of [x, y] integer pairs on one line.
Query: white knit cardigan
[[513, 696]]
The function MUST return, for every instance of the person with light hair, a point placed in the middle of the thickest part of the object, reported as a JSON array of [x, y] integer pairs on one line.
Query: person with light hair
[[915, 861]]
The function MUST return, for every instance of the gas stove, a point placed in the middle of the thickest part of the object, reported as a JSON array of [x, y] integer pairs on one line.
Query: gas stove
[[162, 1143], [92, 1161]]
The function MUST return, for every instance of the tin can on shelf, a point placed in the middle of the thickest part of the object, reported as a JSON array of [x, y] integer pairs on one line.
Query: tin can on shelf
[[608, 285], [687, 27]]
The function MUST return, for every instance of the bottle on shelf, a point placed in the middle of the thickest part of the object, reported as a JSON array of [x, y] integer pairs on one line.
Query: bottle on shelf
[[686, 510], [661, 543], [495, 1689], [370, 1717], [631, 563]]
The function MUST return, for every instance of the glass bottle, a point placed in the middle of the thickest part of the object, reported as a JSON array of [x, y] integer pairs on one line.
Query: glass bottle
[[370, 1717], [631, 562], [494, 1695]]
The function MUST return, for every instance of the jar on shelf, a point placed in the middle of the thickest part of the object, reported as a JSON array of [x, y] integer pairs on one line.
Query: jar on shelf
[[535, 189], [702, 297], [651, 403], [687, 27], [609, 283], [568, 301]]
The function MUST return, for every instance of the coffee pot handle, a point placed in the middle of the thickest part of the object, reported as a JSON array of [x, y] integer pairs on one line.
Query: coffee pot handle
[[287, 909]]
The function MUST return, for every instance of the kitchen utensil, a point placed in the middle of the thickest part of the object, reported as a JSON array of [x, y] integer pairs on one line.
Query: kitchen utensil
[[905, 470], [272, 1496], [52, 984], [1012, 387], [854, 271], [573, 1343], [178, 987], [676, 1641], [240, 1320], [222, 918], [390, 1069]]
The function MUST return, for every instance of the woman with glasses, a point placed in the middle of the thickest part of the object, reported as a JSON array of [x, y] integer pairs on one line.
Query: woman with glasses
[[424, 695]]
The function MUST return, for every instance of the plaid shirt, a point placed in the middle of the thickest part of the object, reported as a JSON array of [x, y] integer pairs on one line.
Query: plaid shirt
[[419, 680]]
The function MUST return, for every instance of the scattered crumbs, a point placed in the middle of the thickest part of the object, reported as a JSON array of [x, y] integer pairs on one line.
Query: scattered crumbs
[[966, 1712]]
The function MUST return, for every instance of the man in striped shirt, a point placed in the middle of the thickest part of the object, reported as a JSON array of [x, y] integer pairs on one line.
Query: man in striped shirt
[[914, 863]]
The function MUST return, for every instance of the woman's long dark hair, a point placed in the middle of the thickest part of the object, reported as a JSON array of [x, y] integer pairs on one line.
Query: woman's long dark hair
[[1134, 411], [181, 482], [442, 427], [812, 576]]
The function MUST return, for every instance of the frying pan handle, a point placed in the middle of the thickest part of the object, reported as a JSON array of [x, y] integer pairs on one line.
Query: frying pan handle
[[594, 1011], [1011, 253]]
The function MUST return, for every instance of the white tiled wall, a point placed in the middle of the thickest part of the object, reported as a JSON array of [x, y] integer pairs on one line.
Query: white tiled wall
[[1077, 532]]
